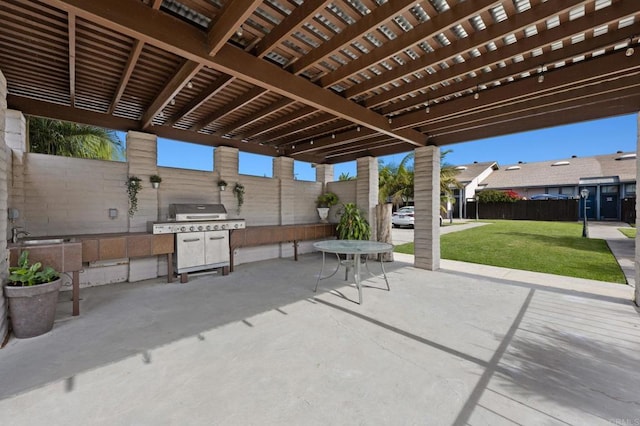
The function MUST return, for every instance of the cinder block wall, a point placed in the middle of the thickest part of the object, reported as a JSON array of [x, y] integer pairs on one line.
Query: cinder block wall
[[70, 196]]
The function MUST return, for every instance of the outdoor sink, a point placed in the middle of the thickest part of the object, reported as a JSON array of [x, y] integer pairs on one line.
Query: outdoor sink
[[33, 242]]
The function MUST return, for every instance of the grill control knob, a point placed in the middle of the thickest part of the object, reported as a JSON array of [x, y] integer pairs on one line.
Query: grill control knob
[[235, 226], [223, 226], [200, 228], [183, 228], [208, 228], [192, 228], [215, 227]]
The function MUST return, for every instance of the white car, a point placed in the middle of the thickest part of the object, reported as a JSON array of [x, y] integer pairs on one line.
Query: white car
[[405, 217]]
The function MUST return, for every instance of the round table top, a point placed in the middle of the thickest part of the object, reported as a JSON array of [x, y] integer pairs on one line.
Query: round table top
[[352, 246]]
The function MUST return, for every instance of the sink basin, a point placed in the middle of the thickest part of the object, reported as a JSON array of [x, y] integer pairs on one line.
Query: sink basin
[[44, 242]]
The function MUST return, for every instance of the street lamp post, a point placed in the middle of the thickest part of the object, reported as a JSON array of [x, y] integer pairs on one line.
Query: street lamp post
[[584, 194]]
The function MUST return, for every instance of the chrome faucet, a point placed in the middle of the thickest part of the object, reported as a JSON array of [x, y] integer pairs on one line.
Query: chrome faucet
[[16, 232]]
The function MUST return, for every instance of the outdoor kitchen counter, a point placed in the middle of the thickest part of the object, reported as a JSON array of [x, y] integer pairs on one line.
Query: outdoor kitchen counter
[[69, 255], [274, 234]]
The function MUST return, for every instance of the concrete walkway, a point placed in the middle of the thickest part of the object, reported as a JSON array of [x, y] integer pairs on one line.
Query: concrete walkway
[[622, 247], [469, 344]]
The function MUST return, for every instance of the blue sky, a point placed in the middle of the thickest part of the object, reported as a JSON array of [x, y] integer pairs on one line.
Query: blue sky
[[582, 139]]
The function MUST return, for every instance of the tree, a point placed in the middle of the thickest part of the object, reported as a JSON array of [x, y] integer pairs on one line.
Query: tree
[[47, 136], [395, 183], [345, 176]]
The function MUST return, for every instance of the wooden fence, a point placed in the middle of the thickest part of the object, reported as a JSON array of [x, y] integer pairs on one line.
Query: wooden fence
[[560, 210]]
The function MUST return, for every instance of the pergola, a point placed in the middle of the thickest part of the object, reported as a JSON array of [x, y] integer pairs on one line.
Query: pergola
[[322, 81]]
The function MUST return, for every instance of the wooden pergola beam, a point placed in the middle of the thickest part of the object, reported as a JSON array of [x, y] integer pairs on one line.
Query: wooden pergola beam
[[228, 22], [139, 21], [259, 115], [228, 108], [195, 103], [72, 58]]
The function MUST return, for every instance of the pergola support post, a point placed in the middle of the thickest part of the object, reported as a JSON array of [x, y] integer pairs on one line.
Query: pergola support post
[[427, 208], [636, 298], [367, 190], [4, 170]]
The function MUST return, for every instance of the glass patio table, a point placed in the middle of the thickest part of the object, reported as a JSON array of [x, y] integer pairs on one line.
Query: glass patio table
[[353, 250]]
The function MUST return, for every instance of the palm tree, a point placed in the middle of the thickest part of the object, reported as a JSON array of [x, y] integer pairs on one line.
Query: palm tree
[[67, 139], [345, 176], [395, 183]]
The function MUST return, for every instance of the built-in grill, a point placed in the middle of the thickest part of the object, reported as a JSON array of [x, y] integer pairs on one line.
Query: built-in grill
[[202, 236]]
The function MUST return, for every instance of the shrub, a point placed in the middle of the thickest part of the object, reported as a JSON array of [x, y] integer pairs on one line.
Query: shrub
[[494, 196]]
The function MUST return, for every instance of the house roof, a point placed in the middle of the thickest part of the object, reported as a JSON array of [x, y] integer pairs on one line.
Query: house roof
[[322, 81], [468, 172], [569, 171]]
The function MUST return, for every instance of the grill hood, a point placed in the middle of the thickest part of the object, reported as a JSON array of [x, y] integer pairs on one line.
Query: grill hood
[[189, 212]]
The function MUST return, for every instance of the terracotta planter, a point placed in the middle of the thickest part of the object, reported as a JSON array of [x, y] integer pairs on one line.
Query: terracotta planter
[[33, 308]]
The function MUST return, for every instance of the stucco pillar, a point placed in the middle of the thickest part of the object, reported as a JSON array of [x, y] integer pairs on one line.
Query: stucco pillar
[[142, 162], [4, 171], [225, 164], [324, 174], [283, 172], [637, 259], [426, 193], [367, 190]]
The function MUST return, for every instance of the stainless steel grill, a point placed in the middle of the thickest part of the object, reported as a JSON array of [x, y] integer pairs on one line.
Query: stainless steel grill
[[202, 236]]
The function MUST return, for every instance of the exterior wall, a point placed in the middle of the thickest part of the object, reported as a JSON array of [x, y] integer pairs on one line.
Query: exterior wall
[[427, 208], [5, 163]]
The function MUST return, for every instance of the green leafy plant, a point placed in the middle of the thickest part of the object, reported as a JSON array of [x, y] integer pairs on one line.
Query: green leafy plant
[[353, 225], [155, 179], [222, 182], [133, 187], [238, 192], [327, 199], [27, 275]]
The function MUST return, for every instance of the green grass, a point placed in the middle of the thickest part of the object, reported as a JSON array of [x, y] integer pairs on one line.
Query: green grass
[[628, 232], [551, 247]]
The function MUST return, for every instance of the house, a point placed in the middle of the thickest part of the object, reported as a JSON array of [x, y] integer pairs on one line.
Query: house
[[610, 180]]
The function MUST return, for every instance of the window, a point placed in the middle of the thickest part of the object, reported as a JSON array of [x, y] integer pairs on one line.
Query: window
[[609, 189], [630, 188]]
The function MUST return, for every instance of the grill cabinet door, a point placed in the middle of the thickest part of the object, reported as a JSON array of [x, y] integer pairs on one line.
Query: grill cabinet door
[[189, 250], [216, 247]]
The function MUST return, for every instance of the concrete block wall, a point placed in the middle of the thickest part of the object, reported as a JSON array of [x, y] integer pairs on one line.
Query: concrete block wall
[[4, 172], [346, 191], [67, 196]]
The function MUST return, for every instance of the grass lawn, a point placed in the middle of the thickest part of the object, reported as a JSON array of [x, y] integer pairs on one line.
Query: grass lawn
[[550, 247], [628, 232]]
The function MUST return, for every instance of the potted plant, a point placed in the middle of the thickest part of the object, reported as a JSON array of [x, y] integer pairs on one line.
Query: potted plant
[[323, 203], [155, 181], [33, 296], [238, 192], [353, 225], [222, 184], [133, 187]]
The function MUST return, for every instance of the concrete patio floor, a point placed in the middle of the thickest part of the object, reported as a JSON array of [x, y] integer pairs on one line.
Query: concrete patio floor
[[259, 347]]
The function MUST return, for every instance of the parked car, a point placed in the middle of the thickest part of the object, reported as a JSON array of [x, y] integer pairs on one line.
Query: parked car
[[405, 217], [549, 197]]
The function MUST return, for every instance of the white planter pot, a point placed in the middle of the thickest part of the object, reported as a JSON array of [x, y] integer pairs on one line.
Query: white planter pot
[[222, 187], [324, 214], [155, 185]]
